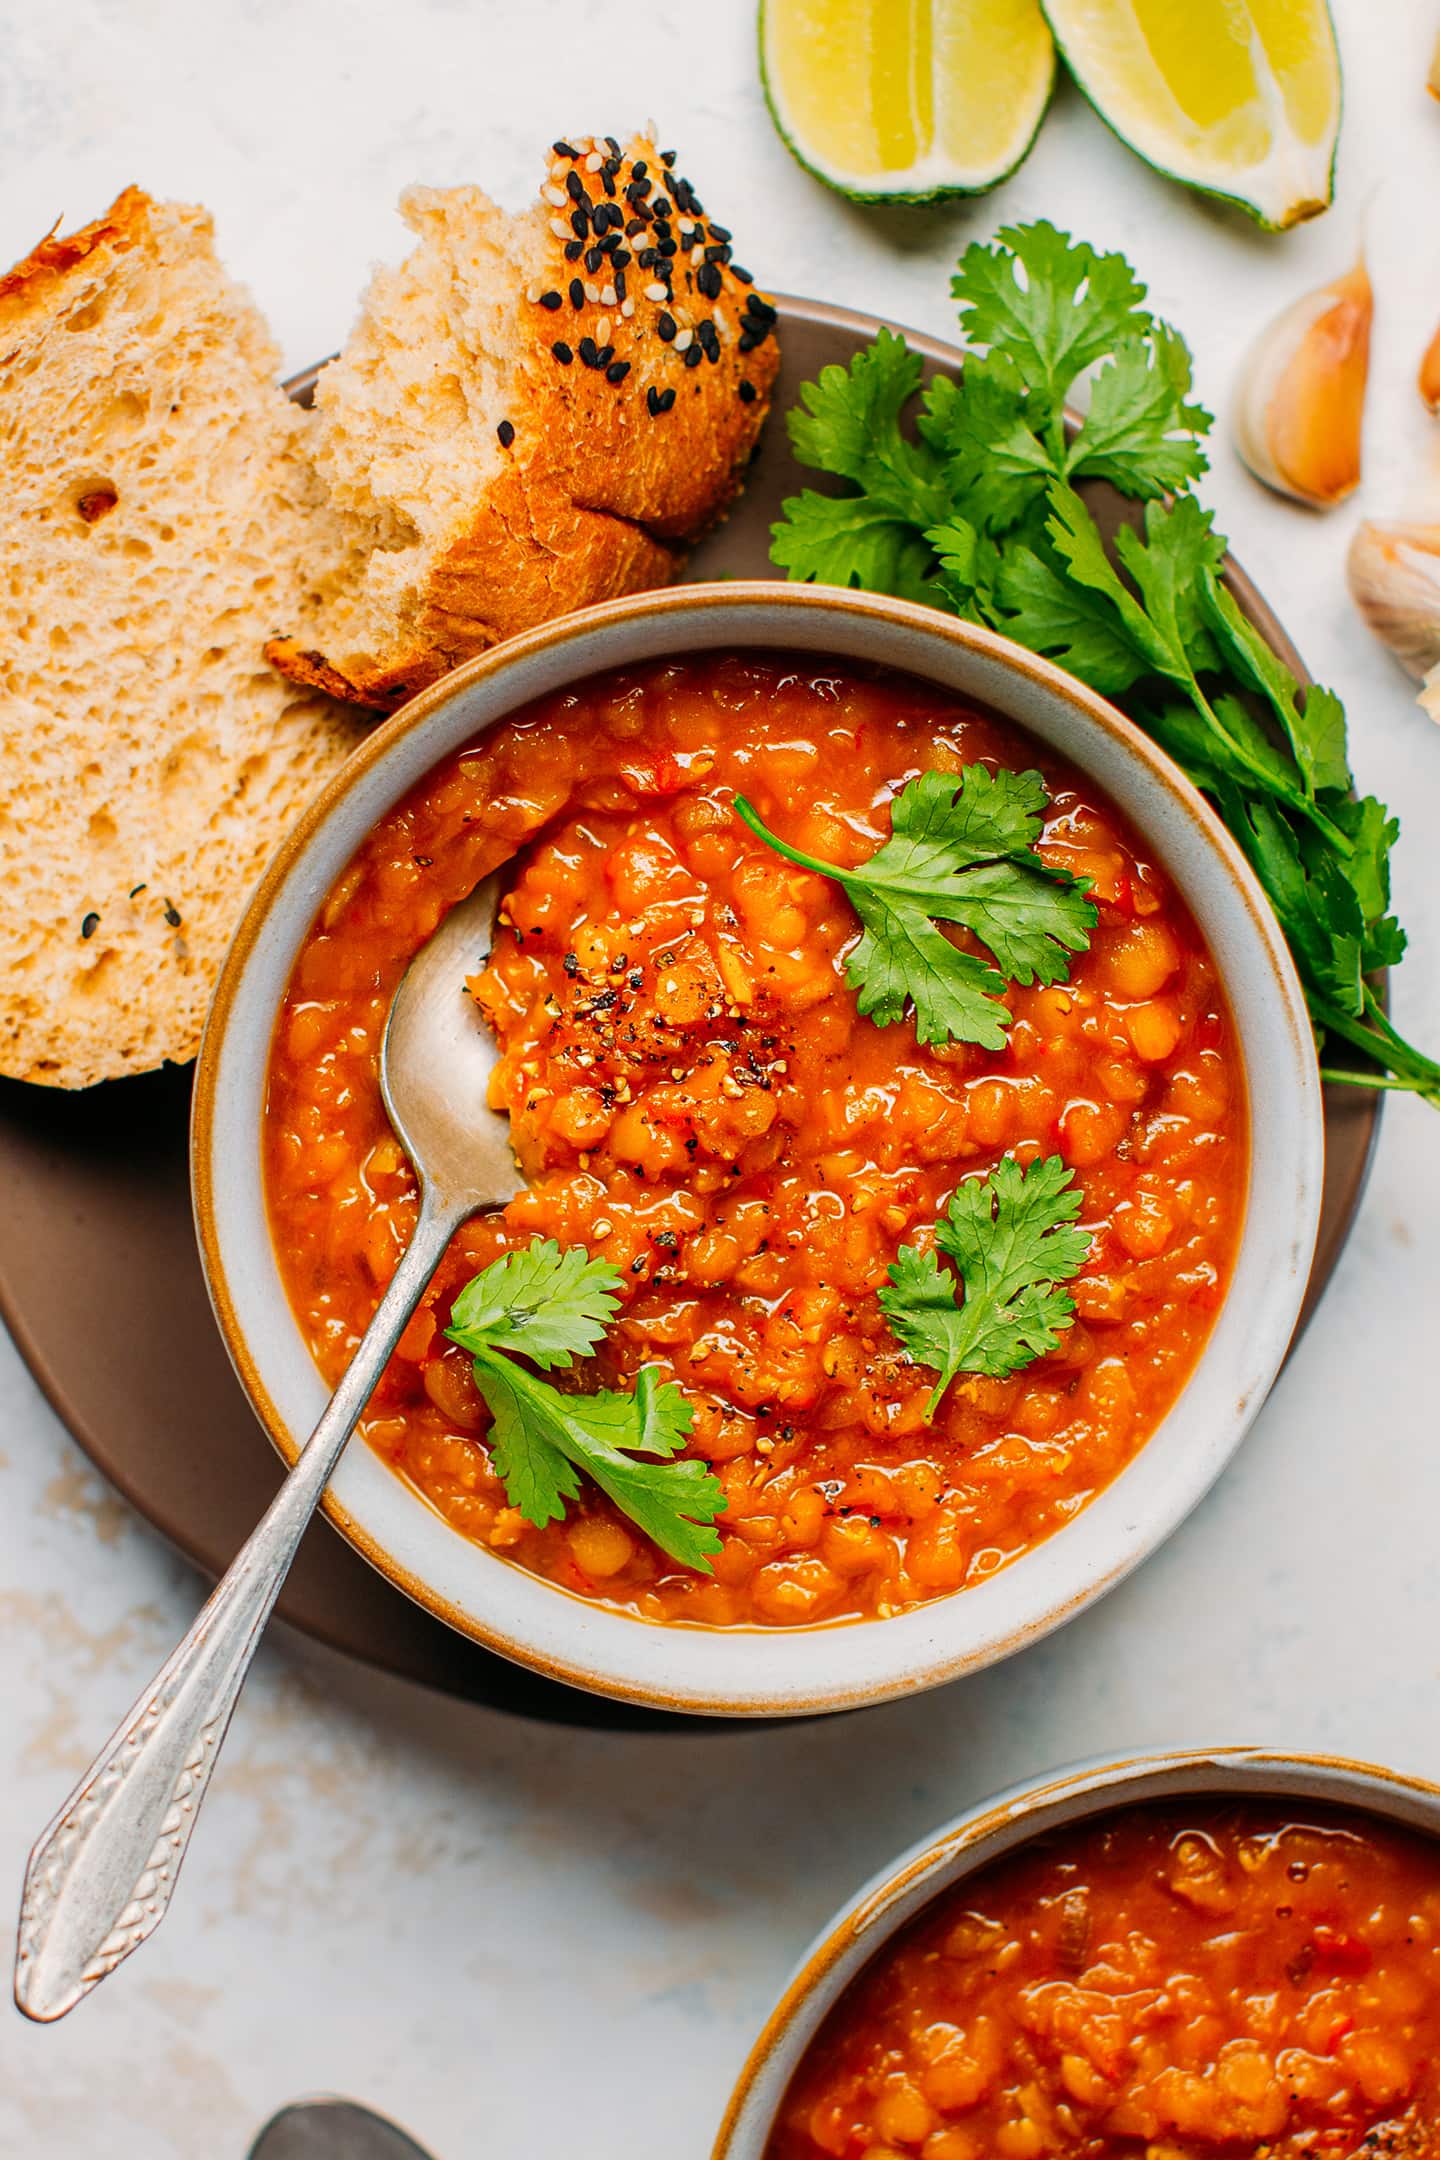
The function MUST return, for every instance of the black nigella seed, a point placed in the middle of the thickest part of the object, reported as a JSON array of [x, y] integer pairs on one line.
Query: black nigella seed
[[745, 277], [605, 355], [636, 225], [721, 232], [587, 351], [550, 300], [574, 249], [664, 230], [564, 149], [667, 399], [172, 915], [593, 260], [747, 391], [571, 963], [707, 280], [647, 258], [617, 371], [577, 293], [694, 356], [564, 355], [661, 206], [748, 340], [760, 309], [580, 224], [575, 187], [90, 925], [652, 401], [607, 174], [612, 146], [716, 254], [620, 284], [619, 257], [667, 158], [666, 325], [136, 890], [667, 248], [639, 168], [506, 434]]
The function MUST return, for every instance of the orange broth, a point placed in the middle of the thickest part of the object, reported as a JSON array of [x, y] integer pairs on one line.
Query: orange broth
[[694, 1097], [1227, 1980]]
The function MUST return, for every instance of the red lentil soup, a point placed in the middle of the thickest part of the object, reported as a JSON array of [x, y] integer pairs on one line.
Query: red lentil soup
[[694, 1096], [1219, 1979]]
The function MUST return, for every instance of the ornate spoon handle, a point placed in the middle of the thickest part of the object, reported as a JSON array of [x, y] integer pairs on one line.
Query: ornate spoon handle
[[100, 1877]]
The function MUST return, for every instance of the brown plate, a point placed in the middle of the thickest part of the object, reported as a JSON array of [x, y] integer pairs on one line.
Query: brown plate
[[96, 1221]]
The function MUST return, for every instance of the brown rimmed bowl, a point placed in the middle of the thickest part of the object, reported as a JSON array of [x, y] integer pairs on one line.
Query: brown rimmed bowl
[[901, 1892], [842, 1664]]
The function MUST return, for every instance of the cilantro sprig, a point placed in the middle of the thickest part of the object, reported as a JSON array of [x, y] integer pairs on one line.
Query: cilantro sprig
[[551, 1307], [1013, 1239], [960, 851], [977, 512]]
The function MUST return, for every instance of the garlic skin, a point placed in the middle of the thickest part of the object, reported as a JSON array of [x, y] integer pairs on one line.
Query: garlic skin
[[1394, 575], [1428, 379], [1302, 393]]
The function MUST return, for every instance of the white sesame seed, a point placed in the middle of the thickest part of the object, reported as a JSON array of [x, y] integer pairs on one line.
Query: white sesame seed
[[627, 309], [554, 196], [608, 296], [684, 341], [655, 291], [592, 292], [697, 256], [560, 229], [594, 162], [602, 330], [532, 292], [686, 226]]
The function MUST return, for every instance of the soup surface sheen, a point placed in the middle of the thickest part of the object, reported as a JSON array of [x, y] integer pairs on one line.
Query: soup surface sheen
[[694, 1097], [1156, 1984]]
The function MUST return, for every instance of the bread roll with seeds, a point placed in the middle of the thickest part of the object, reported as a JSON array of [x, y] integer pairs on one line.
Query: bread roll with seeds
[[533, 412], [156, 525]]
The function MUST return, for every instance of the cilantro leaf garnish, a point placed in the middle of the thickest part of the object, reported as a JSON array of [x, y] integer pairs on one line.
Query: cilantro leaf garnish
[[553, 1306], [975, 510], [960, 851], [1013, 1240]]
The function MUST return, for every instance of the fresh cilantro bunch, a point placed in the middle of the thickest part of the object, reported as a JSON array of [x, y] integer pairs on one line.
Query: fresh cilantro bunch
[[552, 1306], [960, 851], [1013, 1240], [977, 511]]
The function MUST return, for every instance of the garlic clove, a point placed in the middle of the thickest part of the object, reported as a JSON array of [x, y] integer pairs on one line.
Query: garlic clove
[[1429, 377], [1302, 393], [1429, 698], [1394, 574]]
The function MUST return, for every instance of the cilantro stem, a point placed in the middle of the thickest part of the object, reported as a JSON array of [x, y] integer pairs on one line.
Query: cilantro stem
[[750, 815], [1367, 1080], [1415, 1073]]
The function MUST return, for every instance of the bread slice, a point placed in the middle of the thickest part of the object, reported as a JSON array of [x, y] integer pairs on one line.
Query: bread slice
[[157, 523], [487, 482]]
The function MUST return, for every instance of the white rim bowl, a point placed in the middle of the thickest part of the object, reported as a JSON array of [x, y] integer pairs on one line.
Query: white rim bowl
[[759, 1672], [894, 1897]]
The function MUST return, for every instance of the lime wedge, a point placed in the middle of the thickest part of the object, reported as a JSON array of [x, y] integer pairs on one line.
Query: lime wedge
[[1238, 97], [906, 100]]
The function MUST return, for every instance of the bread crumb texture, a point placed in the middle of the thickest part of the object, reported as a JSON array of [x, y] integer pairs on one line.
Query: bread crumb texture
[[158, 522], [534, 412]]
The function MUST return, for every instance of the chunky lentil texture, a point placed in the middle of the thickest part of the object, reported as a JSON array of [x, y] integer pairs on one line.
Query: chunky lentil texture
[[693, 1096], [1236, 1980]]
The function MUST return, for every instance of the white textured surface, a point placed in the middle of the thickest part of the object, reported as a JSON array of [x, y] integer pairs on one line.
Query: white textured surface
[[523, 1940]]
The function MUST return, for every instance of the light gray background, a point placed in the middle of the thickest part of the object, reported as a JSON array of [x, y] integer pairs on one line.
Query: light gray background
[[516, 1939]]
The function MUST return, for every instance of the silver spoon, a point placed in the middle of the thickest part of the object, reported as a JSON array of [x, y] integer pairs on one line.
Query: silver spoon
[[101, 1876], [326, 2129]]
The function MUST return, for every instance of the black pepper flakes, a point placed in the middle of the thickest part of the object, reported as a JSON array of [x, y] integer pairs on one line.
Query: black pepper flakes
[[172, 915], [506, 433], [90, 925]]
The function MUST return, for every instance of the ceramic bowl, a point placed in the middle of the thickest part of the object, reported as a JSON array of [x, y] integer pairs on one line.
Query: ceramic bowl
[[834, 1666], [895, 1897]]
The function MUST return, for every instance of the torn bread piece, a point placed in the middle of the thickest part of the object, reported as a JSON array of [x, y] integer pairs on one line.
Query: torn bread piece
[[533, 413], [158, 521]]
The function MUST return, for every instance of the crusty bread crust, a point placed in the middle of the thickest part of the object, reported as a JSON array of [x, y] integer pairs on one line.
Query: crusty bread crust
[[154, 520], [595, 493]]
